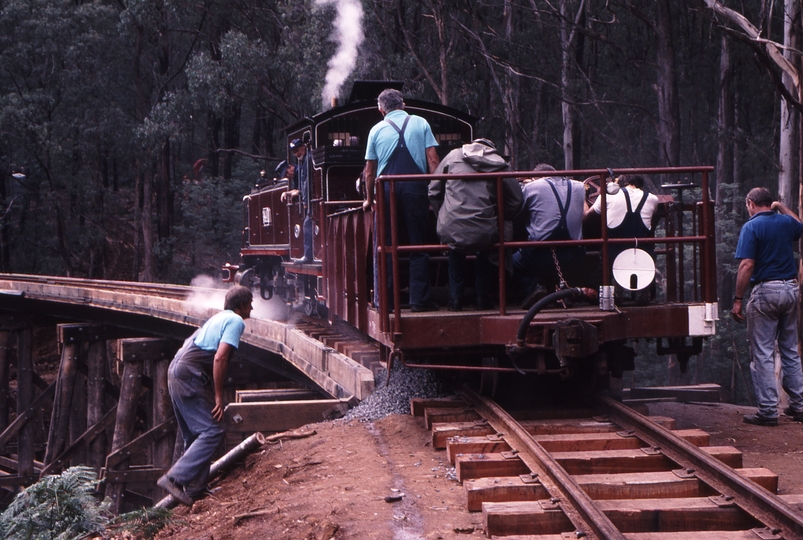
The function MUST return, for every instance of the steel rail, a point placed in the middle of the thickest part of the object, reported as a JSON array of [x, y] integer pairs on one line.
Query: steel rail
[[583, 513], [757, 501], [160, 289]]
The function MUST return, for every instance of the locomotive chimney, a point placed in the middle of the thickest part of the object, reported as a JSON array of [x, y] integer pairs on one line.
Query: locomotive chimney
[[334, 102]]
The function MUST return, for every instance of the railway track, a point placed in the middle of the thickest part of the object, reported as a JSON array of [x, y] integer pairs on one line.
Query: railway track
[[164, 290], [607, 472]]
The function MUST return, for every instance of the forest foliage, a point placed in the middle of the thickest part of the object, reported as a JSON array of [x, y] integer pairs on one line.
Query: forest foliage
[[130, 129]]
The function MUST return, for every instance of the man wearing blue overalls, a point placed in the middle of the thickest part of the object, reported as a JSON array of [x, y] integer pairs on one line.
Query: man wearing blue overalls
[[195, 381], [403, 144]]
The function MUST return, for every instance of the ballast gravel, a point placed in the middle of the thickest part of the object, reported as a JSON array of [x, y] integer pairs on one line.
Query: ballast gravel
[[405, 383]]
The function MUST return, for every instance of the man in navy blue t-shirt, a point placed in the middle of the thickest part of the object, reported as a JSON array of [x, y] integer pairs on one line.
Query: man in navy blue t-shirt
[[768, 264]]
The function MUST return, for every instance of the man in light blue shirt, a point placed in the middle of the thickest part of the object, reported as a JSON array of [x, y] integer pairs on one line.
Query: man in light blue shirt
[[195, 382], [403, 144]]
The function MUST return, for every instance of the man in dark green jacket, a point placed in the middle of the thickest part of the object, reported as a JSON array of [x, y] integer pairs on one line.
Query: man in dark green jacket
[[468, 217]]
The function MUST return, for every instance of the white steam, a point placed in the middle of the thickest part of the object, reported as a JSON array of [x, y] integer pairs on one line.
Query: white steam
[[348, 34], [209, 293]]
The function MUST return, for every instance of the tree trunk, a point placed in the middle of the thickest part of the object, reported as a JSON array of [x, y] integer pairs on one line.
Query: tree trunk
[[787, 147], [565, 105], [725, 155], [148, 262], [511, 91], [666, 89], [164, 194]]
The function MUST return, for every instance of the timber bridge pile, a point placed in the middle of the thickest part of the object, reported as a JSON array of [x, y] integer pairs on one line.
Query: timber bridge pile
[[108, 407], [605, 472]]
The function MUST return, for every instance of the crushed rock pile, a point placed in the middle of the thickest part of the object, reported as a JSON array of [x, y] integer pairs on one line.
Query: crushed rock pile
[[405, 383]]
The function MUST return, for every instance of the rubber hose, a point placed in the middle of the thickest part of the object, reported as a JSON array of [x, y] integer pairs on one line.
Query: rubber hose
[[574, 293]]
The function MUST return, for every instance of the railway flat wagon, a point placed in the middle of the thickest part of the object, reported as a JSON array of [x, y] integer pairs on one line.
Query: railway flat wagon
[[574, 330]]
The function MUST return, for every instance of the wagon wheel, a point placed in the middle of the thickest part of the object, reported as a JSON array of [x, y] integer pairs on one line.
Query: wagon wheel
[[489, 380], [245, 278], [591, 186]]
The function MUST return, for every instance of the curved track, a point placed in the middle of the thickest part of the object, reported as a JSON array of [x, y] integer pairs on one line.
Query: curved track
[[606, 472]]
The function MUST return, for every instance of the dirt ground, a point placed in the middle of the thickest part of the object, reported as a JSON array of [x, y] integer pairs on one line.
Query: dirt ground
[[382, 480]]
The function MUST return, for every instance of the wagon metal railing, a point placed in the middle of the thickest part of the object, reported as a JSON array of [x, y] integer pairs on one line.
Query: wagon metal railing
[[702, 237]]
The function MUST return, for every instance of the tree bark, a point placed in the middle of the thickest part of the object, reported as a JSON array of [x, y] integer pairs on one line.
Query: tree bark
[[565, 105], [666, 89], [787, 147]]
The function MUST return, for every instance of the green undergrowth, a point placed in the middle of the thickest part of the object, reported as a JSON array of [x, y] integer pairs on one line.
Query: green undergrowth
[[65, 507]]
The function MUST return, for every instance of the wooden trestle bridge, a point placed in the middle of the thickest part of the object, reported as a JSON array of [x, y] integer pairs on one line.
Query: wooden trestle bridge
[[109, 408]]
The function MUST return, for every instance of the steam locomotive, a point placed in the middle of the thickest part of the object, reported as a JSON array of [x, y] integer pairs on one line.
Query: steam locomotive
[[565, 338]]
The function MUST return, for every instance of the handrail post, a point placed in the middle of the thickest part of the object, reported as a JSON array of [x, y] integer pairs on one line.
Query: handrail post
[[500, 203]]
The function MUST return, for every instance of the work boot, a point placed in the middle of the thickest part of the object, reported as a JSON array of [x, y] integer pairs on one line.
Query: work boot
[[178, 491], [537, 294], [758, 420], [797, 416]]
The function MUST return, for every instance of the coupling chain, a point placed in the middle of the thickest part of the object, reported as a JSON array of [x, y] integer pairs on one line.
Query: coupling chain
[[562, 282]]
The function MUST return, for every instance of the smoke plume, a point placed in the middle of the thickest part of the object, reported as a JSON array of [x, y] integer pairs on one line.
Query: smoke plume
[[348, 34]]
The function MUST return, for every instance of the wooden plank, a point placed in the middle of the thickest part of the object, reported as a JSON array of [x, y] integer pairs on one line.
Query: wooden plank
[[351, 375], [699, 392], [583, 425], [449, 415], [418, 405], [468, 466], [162, 448], [442, 432], [618, 440], [568, 426], [761, 476], [141, 443], [87, 437], [504, 519], [13, 481], [640, 460], [152, 349], [475, 445], [613, 461], [730, 456], [277, 415], [674, 515], [92, 333], [11, 431], [60, 415], [135, 475], [647, 485], [501, 489], [699, 535], [25, 398], [95, 383], [130, 386], [5, 365], [13, 465], [275, 394]]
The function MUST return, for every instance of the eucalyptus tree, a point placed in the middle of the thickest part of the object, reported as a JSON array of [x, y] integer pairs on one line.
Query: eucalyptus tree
[[779, 53], [61, 133]]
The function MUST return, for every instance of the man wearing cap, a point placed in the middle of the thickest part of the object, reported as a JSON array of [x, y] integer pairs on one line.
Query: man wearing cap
[[468, 218], [301, 185], [766, 249], [403, 144]]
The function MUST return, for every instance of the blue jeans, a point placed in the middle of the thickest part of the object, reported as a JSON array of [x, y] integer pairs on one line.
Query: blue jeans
[[536, 266], [484, 278], [308, 223], [412, 214], [193, 400], [772, 316]]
